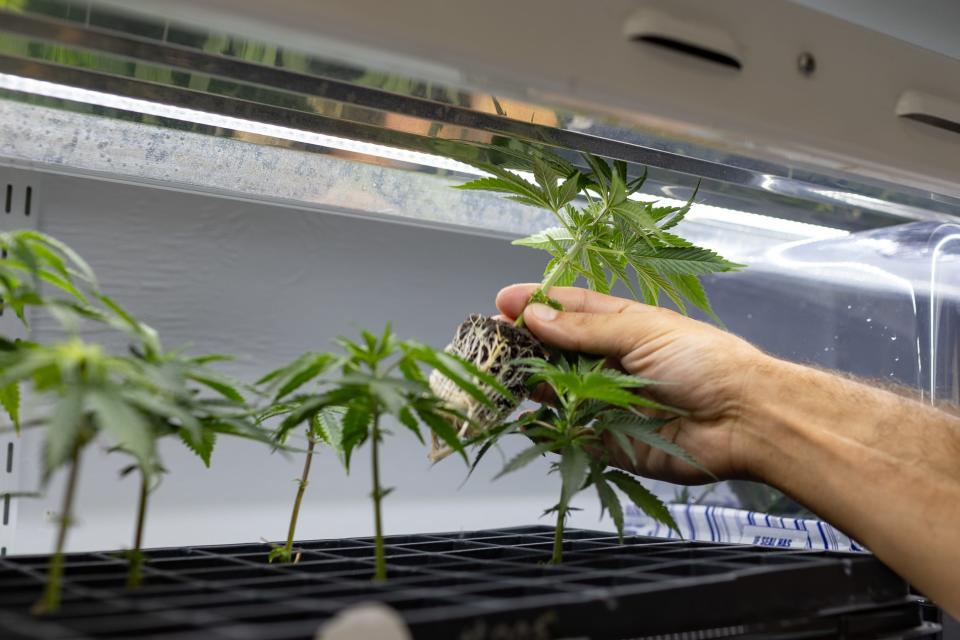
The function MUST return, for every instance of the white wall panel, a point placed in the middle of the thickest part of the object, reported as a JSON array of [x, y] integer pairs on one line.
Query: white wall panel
[[267, 283]]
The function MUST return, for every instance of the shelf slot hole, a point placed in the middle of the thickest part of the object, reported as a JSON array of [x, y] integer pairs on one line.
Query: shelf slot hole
[[9, 199], [9, 457], [26, 204], [686, 48]]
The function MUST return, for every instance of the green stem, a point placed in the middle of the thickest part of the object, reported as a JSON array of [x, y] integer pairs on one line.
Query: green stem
[[557, 557], [379, 552], [52, 591], [291, 531], [551, 277], [135, 573]]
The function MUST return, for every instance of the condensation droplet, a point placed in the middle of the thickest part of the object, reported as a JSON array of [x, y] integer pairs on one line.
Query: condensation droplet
[[894, 338], [849, 306], [869, 319], [749, 316], [897, 359]]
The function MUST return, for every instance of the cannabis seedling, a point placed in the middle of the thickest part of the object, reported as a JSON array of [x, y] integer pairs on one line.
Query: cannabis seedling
[[590, 402], [322, 427], [132, 400], [613, 237], [91, 393], [381, 376], [182, 396]]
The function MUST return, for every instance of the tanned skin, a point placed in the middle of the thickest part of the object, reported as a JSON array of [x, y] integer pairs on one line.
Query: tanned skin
[[883, 468]]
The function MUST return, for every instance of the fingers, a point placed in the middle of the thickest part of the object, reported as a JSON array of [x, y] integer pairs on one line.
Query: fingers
[[610, 334], [511, 300]]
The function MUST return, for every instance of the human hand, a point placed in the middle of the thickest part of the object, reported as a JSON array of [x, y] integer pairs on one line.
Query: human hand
[[704, 371]]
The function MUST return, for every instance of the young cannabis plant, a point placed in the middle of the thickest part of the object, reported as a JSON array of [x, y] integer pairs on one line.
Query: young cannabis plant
[[323, 427], [591, 402], [132, 400], [91, 393], [182, 396], [611, 237], [378, 377]]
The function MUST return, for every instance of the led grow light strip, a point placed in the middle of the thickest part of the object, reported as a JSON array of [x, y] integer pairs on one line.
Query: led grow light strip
[[97, 98]]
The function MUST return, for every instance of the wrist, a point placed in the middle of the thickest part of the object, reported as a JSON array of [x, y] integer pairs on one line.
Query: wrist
[[770, 421]]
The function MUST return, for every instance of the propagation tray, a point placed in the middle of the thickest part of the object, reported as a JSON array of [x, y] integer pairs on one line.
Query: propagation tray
[[473, 586]]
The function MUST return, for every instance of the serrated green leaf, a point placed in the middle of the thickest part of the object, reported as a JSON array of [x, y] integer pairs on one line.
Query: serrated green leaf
[[524, 458], [693, 261], [407, 418], [600, 170], [692, 290], [200, 443], [566, 278], [462, 373], [593, 265], [641, 496], [574, 467], [505, 181], [327, 426], [308, 407], [146, 334], [311, 367], [223, 385], [637, 216], [122, 424], [440, 425], [625, 445], [646, 430], [85, 271], [63, 429], [10, 401], [163, 408], [608, 499], [547, 239], [568, 190], [678, 214]]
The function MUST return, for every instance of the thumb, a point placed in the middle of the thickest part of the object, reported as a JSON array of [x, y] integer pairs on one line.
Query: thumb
[[606, 334]]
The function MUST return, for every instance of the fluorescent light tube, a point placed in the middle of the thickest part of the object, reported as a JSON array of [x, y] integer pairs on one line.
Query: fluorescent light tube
[[53, 90]]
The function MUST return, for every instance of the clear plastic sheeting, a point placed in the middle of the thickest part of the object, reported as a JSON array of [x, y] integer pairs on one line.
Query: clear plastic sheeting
[[883, 305]]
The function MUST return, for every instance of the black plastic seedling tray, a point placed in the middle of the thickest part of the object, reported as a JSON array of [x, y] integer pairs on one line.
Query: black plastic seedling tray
[[476, 585]]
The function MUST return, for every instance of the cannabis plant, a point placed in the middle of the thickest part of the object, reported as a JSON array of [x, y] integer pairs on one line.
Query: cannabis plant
[[591, 403], [376, 377], [606, 234], [131, 400], [89, 394], [182, 396], [323, 427]]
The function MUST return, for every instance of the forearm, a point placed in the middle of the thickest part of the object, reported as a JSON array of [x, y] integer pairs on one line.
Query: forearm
[[883, 468]]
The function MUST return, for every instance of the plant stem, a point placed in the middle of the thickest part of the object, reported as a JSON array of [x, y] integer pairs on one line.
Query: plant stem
[[557, 557], [135, 573], [52, 591], [288, 548], [379, 552], [554, 274]]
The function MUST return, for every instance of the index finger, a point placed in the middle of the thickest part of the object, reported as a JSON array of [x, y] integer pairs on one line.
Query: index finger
[[511, 300]]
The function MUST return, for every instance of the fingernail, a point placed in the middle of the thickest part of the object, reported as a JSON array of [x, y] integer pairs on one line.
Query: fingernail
[[542, 312]]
